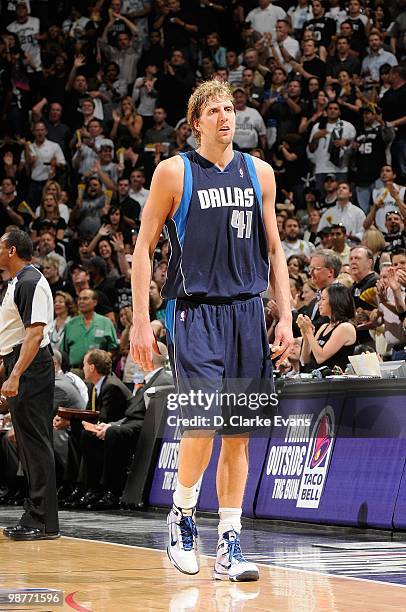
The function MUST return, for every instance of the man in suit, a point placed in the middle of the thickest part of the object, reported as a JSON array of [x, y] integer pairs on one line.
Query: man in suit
[[107, 451], [110, 397], [66, 395]]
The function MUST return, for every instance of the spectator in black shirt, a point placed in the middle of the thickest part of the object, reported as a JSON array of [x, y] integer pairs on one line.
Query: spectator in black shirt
[[175, 86], [118, 27], [329, 198], [363, 290], [9, 206], [311, 65], [130, 209], [393, 106], [154, 55], [369, 156], [54, 82], [50, 269], [49, 217], [343, 59], [76, 91], [359, 21], [99, 281], [395, 236], [323, 27], [356, 45], [178, 27]]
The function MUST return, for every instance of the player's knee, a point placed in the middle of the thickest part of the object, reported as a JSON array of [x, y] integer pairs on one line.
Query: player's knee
[[234, 444]]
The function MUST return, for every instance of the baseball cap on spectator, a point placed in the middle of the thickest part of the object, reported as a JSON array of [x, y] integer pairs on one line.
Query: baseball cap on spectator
[[105, 143], [239, 89], [78, 266], [330, 177]]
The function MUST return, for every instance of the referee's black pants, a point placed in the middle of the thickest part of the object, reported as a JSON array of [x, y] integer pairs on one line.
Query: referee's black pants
[[31, 413]]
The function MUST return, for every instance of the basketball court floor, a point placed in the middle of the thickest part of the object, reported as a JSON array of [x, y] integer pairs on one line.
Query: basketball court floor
[[116, 562]]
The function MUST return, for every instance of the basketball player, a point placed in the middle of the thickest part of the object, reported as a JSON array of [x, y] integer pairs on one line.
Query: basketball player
[[218, 206]]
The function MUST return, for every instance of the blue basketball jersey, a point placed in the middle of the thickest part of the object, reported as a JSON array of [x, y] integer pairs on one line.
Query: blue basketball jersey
[[218, 241]]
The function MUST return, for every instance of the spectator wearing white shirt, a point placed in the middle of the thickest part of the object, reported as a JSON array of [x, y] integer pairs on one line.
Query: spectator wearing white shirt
[[250, 130], [137, 191], [335, 12], [375, 58], [286, 43], [263, 18], [344, 213], [386, 199], [292, 245], [299, 15], [329, 147], [235, 68], [41, 159], [28, 31], [75, 25]]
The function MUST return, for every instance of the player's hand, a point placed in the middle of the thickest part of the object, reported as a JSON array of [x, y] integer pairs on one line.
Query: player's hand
[[283, 342], [10, 386], [142, 343]]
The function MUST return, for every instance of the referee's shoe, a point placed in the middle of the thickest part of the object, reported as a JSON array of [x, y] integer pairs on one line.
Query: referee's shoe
[[20, 532]]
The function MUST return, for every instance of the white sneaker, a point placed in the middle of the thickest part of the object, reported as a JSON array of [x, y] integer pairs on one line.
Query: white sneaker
[[230, 563], [182, 549]]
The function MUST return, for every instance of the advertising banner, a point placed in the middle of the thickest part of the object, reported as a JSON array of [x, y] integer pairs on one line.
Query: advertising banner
[[369, 458], [299, 456]]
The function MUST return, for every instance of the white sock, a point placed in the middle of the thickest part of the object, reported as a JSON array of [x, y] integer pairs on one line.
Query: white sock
[[230, 518], [184, 497]]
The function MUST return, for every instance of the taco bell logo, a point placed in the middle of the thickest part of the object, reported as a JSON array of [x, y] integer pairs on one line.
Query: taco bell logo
[[317, 460]]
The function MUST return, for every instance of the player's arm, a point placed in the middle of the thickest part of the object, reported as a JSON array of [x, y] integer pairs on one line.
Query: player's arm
[[165, 192], [279, 278]]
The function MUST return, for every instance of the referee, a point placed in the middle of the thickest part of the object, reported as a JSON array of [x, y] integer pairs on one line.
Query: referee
[[25, 318]]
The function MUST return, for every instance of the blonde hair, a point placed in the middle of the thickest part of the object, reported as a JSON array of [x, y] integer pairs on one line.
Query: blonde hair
[[344, 278], [374, 240], [55, 184], [208, 90], [134, 111]]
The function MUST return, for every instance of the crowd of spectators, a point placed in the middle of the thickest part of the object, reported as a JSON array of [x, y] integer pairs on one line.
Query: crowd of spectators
[[93, 96]]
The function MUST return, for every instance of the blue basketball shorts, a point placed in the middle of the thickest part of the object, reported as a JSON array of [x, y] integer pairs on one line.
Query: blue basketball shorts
[[221, 363]]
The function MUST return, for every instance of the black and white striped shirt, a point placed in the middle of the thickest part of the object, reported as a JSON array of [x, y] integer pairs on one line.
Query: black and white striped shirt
[[28, 300]]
